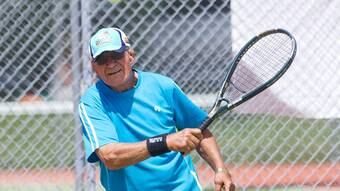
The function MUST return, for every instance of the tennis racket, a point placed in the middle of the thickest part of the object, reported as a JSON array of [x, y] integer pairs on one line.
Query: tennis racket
[[259, 64]]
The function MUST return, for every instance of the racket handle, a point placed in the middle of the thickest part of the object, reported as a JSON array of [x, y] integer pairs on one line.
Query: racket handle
[[206, 123]]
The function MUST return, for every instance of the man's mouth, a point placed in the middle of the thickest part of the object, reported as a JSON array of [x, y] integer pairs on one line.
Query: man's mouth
[[113, 73]]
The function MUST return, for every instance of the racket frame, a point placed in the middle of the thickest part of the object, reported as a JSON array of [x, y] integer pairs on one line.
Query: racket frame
[[217, 109]]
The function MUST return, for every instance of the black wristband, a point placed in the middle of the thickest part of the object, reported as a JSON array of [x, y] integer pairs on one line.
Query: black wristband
[[157, 145]]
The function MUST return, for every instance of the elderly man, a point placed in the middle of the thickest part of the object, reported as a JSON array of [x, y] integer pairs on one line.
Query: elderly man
[[140, 126]]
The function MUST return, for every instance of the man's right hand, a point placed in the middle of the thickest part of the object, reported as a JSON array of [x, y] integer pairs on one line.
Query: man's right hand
[[185, 140]]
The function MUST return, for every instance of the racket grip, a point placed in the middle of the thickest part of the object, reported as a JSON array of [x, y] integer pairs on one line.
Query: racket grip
[[206, 123]]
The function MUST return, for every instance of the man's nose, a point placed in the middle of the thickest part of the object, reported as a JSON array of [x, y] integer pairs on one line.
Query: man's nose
[[111, 62]]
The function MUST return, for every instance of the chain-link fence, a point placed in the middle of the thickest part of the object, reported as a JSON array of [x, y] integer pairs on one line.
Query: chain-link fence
[[286, 138]]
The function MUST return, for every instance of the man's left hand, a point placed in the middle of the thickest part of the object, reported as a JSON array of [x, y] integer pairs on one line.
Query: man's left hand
[[223, 181]]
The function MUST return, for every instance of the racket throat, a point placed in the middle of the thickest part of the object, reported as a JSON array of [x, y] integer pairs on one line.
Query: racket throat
[[223, 99], [218, 105]]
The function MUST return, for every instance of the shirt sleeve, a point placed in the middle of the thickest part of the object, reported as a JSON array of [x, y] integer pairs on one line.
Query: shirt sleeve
[[187, 114], [98, 129]]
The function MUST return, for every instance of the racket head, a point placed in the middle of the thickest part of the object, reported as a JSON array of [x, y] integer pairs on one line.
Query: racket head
[[260, 63]]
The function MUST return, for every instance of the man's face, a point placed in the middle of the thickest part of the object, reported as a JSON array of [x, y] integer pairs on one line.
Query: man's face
[[113, 68]]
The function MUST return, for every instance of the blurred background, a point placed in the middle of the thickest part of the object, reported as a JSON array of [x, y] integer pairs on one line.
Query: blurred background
[[287, 138]]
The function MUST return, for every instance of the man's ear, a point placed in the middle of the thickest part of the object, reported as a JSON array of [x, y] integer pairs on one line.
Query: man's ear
[[132, 56], [93, 65]]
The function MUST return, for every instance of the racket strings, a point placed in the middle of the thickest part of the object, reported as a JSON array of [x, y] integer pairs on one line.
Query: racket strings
[[232, 92], [260, 63], [278, 53], [258, 60]]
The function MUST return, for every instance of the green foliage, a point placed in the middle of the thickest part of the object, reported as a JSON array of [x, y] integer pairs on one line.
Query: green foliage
[[42, 141], [272, 139], [48, 141]]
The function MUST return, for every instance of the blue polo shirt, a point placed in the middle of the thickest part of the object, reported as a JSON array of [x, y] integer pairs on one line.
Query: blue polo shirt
[[156, 105]]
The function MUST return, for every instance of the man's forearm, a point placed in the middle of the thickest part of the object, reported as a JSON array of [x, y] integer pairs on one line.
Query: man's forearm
[[119, 155], [209, 151]]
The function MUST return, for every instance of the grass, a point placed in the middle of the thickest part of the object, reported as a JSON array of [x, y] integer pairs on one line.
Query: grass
[[39, 141], [41, 187], [271, 189], [270, 139], [48, 141]]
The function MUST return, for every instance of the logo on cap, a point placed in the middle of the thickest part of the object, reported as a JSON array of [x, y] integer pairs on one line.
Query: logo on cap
[[103, 38]]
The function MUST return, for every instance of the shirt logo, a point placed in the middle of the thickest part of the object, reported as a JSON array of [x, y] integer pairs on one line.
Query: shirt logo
[[157, 108]]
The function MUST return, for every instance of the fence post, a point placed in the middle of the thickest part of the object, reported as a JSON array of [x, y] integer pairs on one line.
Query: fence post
[[87, 77], [76, 57]]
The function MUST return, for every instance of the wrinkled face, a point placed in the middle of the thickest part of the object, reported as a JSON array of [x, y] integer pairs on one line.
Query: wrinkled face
[[115, 69]]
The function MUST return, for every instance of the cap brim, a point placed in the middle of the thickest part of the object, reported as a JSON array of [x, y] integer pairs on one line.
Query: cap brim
[[110, 48]]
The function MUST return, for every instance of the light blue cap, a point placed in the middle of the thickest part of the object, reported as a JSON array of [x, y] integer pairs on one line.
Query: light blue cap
[[108, 39]]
